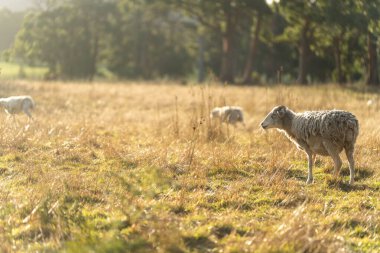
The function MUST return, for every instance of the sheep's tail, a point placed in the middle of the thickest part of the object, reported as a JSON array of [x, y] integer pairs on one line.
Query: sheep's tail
[[33, 104], [30, 101], [241, 115], [353, 125]]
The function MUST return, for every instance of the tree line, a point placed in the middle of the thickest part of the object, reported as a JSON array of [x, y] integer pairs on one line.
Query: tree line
[[236, 41]]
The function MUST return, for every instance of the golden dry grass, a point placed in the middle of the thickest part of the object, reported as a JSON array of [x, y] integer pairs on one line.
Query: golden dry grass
[[140, 168]]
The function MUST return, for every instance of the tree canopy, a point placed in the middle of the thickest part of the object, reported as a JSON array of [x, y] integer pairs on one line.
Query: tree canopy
[[243, 41]]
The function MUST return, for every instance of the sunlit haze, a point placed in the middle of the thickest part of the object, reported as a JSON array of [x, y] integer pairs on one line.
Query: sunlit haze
[[272, 1], [16, 5]]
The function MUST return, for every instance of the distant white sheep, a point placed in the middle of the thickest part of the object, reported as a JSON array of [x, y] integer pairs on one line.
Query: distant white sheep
[[373, 103], [228, 114], [18, 104], [324, 133], [370, 102]]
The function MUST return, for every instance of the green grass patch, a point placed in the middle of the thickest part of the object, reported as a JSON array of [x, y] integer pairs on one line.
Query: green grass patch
[[16, 71]]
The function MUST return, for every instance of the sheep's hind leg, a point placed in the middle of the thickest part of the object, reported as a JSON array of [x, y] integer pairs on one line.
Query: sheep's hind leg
[[332, 150], [310, 157], [351, 161], [29, 114]]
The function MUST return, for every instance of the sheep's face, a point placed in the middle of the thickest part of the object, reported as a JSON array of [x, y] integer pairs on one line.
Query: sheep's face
[[275, 118], [215, 113]]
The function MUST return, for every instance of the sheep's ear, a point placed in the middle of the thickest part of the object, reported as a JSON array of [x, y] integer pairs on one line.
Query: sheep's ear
[[281, 111]]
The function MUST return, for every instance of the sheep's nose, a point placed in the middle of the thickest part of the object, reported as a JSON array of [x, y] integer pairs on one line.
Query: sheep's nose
[[262, 125]]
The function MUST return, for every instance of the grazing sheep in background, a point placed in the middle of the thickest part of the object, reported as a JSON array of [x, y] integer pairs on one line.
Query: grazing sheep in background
[[17, 104], [370, 102], [324, 133], [373, 104], [228, 114]]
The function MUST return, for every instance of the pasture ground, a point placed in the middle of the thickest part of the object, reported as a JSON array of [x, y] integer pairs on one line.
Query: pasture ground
[[139, 167]]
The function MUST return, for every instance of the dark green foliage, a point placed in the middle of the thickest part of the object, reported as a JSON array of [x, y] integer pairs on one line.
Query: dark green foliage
[[67, 36], [149, 41], [307, 41]]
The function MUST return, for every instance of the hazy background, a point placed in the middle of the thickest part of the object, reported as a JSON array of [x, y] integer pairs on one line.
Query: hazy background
[[245, 41], [16, 5]]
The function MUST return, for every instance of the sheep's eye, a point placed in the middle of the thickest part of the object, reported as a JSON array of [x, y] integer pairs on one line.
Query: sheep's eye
[[273, 116]]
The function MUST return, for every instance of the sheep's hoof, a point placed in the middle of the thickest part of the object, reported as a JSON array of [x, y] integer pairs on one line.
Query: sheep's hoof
[[309, 181]]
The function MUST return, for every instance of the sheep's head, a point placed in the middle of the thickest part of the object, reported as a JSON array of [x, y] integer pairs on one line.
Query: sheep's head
[[275, 118], [215, 113]]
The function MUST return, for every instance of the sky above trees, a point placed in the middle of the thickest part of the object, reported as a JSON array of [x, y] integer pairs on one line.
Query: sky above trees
[[16, 5]]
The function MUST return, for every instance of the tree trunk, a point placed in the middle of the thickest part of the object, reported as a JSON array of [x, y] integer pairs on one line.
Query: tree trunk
[[373, 74], [304, 51], [94, 57], [227, 66], [338, 60], [247, 76], [201, 60]]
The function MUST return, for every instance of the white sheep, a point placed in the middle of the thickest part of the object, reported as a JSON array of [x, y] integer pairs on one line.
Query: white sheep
[[370, 102], [228, 114], [373, 104], [18, 104], [324, 133]]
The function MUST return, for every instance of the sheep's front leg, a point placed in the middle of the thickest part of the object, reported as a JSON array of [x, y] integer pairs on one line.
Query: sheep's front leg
[[12, 117], [310, 157]]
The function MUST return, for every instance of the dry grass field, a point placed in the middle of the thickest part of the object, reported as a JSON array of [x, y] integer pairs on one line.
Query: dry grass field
[[140, 168]]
